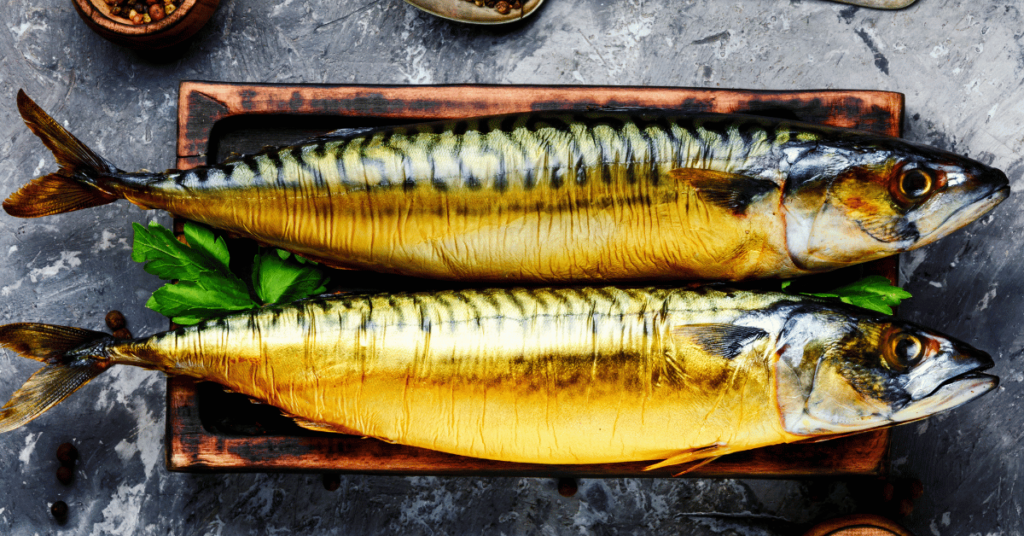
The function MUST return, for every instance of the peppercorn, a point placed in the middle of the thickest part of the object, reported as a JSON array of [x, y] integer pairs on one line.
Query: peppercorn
[[888, 492], [59, 511], [332, 481], [906, 507], [567, 487], [122, 333], [115, 319], [503, 7], [916, 489], [65, 475], [67, 454], [156, 12]]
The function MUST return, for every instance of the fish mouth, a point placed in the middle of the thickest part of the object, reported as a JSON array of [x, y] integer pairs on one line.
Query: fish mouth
[[948, 395], [968, 213]]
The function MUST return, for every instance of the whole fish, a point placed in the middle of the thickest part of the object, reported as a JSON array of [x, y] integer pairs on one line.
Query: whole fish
[[562, 376], [592, 197]]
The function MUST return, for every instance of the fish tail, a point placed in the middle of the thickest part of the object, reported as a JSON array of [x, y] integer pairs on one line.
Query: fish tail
[[71, 358], [75, 186]]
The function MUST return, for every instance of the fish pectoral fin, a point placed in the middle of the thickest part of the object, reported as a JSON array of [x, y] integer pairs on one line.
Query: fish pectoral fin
[[726, 190], [696, 466], [725, 340], [139, 204], [830, 437], [711, 452], [323, 427], [330, 263]]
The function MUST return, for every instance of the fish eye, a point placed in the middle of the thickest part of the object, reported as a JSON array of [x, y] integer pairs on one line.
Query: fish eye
[[915, 183], [903, 350]]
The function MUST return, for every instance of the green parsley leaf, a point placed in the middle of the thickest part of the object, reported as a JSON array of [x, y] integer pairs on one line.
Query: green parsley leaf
[[206, 285], [874, 292], [201, 239], [278, 278], [166, 258], [211, 297]]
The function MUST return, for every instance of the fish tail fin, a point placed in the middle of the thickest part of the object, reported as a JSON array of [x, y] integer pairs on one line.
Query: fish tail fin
[[71, 358], [75, 186]]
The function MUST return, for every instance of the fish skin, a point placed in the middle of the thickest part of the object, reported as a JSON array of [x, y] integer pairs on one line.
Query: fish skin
[[565, 375], [556, 197]]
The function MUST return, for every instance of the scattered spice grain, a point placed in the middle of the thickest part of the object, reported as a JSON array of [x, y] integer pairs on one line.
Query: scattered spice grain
[[67, 454], [59, 511], [65, 475], [332, 481], [567, 487], [115, 320]]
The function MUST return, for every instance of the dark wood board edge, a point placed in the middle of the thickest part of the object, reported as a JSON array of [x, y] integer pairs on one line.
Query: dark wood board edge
[[202, 104], [190, 447]]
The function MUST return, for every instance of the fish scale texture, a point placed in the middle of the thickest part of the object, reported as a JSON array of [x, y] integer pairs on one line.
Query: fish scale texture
[[959, 63]]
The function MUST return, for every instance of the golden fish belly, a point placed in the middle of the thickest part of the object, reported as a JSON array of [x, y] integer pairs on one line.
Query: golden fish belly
[[546, 376], [593, 231]]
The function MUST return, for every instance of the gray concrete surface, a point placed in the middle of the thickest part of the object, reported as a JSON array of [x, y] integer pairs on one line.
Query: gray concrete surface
[[960, 63]]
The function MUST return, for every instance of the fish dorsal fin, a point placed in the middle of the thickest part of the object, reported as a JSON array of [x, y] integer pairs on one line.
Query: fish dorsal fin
[[725, 340], [726, 190], [233, 157], [349, 133]]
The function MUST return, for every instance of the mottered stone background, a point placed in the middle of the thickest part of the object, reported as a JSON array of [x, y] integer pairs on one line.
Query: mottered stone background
[[959, 62]]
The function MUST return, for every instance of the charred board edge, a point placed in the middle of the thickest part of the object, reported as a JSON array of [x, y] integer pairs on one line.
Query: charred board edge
[[192, 448]]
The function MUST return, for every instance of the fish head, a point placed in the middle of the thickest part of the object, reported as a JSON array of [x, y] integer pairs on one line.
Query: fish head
[[862, 198], [840, 372]]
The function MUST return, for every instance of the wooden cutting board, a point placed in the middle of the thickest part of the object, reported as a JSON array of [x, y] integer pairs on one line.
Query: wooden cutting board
[[211, 430]]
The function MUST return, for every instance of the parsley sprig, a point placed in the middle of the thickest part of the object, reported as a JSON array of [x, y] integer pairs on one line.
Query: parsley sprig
[[874, 292], [206, 285]]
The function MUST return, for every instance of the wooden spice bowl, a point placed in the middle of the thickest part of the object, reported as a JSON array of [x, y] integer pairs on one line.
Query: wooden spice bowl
[[186, 20]]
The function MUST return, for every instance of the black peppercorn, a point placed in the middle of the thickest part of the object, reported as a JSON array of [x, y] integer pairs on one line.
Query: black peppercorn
[[332, 481], [67, 454], [65, 475], [567, 487], [115, 320], [59, 511]]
